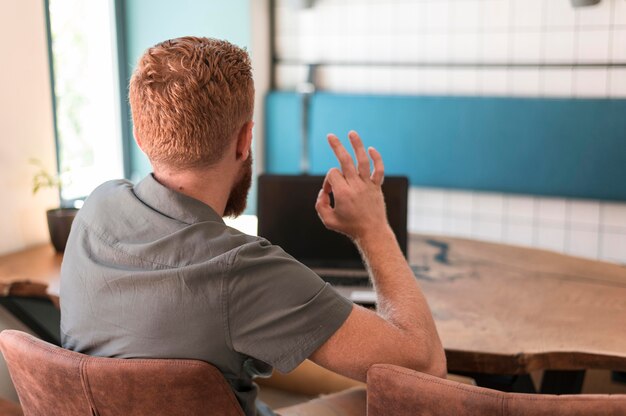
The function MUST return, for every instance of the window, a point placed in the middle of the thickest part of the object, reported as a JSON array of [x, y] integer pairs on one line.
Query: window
[[86, 94]]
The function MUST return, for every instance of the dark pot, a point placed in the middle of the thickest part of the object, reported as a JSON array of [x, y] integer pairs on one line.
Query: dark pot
[[59, 224]]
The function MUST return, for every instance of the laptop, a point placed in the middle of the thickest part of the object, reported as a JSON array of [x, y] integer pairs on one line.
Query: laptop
[[287, 218]]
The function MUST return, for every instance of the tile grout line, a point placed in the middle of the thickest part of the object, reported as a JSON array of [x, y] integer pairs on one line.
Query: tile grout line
[[609, 74], [568, 226], [535, 222], [542, 46], [601, 232], [576, 52], [504, 220], [510, 47]]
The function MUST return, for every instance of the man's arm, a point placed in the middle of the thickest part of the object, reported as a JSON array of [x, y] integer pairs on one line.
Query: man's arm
[[402, 330]]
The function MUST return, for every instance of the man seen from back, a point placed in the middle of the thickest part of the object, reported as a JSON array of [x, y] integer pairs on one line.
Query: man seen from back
[[152, 271]]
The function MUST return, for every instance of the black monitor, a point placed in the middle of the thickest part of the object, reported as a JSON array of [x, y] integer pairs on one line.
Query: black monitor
[[287, 217]]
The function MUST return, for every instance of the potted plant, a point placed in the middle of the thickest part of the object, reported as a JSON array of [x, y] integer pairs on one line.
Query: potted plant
[[59, 219]]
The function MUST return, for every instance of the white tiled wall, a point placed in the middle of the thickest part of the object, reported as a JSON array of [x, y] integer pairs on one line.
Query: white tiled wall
[[550, 35], [585, 228], [474, 47]]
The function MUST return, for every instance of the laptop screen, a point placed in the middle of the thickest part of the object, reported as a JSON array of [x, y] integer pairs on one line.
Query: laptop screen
[[287, 218]]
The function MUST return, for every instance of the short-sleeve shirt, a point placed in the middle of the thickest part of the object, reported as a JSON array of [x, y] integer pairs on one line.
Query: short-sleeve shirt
[[151, 273]]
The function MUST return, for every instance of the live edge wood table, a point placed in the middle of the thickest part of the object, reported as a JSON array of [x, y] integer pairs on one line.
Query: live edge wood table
[[501, 311], [29, 289], [505, 310]]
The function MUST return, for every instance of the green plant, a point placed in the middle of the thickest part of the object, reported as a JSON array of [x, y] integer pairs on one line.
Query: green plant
[[43, 178]]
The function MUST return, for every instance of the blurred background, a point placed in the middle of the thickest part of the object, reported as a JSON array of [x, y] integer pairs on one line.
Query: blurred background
[[508, 116]]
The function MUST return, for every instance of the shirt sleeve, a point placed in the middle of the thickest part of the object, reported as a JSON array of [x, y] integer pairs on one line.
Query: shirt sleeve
[[278, 310]]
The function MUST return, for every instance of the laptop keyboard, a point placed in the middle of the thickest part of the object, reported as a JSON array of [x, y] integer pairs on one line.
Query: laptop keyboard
[[345, 277], [354, 278], [347, 281]]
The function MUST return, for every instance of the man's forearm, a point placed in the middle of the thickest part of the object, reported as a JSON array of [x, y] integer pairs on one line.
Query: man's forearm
[[400, 299], [406, 334]]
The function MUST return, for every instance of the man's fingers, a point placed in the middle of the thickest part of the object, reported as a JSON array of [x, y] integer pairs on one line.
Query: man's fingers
[[378, 175], [344, 158], [333, 179], [363, 162], [327, 187], [322, 205], [324, 210]]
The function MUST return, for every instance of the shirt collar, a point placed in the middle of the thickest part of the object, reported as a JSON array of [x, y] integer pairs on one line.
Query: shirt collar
[[174, 204]]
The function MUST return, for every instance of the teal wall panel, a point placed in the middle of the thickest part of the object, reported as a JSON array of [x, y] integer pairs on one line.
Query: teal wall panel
[[560, 147], [282, 137], [147, 22]]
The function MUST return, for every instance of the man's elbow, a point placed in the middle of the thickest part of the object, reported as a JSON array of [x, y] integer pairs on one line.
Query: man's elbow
[[438, 365], [431, 361]]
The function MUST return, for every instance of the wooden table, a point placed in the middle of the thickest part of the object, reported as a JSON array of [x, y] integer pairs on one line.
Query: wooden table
[[500, 310], [508, 310], [29, 273], [29, 289]]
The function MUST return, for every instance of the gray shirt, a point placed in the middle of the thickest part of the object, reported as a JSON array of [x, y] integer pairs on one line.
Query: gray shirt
[[152, 273]]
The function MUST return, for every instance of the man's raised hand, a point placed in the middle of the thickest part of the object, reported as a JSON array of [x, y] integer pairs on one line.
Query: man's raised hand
[[359, 206]]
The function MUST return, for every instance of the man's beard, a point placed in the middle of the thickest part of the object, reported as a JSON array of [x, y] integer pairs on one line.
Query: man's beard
[[238, 197]]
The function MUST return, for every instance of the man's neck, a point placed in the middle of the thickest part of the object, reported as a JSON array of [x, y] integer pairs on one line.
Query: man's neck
[[209, 185]]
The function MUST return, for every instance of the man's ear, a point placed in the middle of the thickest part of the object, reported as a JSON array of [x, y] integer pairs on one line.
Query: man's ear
[[244, 141]]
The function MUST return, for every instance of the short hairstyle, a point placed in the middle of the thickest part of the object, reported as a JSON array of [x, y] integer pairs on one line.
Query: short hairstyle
[[189, 96]]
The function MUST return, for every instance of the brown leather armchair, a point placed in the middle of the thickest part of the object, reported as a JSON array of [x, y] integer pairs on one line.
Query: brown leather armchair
[[53, 381], [398, 391]]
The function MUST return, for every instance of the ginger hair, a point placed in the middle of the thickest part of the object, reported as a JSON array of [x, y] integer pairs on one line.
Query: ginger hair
[[189, 97]]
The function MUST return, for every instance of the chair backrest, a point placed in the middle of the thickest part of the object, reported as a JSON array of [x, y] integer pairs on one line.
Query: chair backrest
[[54, 381], [398, 391]]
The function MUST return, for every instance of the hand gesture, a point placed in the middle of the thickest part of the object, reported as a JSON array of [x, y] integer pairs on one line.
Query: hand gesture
[[359, 206]]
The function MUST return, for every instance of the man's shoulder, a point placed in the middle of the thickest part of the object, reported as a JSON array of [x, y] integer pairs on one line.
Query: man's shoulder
[[112, 185], [107, 192], [252, 252]]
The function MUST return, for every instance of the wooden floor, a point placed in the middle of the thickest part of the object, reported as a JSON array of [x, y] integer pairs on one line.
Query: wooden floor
[[599, 382], [276, 398]]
